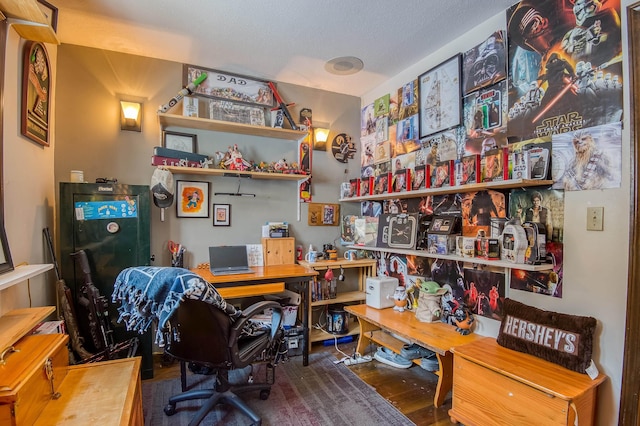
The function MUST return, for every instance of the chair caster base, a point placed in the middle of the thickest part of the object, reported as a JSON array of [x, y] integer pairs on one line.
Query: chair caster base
[[170, 409]]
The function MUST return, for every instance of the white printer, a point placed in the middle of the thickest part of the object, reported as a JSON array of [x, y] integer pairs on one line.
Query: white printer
[[380, 291]]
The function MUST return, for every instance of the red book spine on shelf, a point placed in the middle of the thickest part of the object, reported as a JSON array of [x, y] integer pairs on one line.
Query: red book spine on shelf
[[157, 160]]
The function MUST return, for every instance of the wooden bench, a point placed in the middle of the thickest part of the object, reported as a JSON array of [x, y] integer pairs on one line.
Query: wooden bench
[[500, 386], [375, 325]]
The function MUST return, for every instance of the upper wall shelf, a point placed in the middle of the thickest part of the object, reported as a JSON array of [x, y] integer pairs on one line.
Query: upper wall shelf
[[504, 184], [29, 21], [167, 120], [234, 173]]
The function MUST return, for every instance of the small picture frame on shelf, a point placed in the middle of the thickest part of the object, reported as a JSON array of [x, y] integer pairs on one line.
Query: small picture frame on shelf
[[222, 215], [180, 141]]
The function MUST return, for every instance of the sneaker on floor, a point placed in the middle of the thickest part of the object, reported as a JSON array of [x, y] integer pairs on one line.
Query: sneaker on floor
[[430, 363], [387, 356], [414, 351]]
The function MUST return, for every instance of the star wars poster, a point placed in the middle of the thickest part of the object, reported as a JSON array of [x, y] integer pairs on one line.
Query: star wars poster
[[484, 292], [477, 210], [588, 158], [565, 66], [542, 282], [406, 136], [542, 206], [367, 120], [485, 119], [485, 64], [408, 100]]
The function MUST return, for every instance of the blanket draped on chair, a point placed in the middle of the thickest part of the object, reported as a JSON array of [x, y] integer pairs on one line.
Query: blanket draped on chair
[[147, 293]]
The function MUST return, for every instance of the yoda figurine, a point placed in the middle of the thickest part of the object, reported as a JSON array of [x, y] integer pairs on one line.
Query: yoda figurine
[[429, 308]]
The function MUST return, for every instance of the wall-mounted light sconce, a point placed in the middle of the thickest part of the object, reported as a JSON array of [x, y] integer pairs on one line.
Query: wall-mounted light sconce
[[320, 135], [131, 116]]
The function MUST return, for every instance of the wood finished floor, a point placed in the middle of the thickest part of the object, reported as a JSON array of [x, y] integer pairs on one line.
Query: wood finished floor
[[409, 390]]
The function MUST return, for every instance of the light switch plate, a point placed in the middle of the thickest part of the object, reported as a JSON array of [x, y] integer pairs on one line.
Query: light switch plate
[[595, 218]]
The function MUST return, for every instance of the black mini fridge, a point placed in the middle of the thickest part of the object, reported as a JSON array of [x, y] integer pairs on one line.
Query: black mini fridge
[[112, 224]]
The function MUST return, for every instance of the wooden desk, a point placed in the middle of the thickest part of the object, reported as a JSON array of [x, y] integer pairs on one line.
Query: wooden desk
[[266, 280], [437, 336]]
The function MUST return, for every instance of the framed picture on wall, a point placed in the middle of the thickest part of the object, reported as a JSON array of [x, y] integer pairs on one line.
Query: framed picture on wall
[[222, 215], [179, 141], [323, 214], [440, 94], [36, 85], [192, 199]]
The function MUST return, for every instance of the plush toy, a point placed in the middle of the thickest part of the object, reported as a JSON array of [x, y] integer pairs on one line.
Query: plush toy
[[429, 308], [463, 319]]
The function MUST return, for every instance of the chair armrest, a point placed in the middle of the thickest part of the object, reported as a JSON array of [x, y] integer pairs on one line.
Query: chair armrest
[[250, 312], [258, 307]]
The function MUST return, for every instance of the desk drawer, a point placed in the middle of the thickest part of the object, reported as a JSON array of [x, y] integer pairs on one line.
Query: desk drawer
[[489, 398], [24, 386]]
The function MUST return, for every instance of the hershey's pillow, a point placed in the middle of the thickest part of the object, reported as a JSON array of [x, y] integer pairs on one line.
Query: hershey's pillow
[[563, 339]]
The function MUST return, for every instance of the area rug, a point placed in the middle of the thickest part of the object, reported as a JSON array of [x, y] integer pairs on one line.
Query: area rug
[[322, 393]]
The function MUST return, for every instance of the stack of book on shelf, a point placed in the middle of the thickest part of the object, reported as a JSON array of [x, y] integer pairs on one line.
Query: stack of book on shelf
[[323, 289], [173, 157]]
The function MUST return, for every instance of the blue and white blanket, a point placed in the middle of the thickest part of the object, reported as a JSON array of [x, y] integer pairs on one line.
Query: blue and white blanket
[[147, 293]]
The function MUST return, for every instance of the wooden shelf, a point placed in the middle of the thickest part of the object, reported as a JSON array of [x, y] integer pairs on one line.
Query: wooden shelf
[[316, 335], [30, 22], [477, 260], [504, 184], [17, 323], [236, 174], [346, 297], [22, 273], [167, 120], [345, 264]]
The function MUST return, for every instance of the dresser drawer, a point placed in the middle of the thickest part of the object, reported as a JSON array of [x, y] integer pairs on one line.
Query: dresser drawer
[[25, 388], [490, 398]]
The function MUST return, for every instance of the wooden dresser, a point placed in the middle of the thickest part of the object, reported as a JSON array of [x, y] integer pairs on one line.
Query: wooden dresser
[[493, 385], [39, 387]]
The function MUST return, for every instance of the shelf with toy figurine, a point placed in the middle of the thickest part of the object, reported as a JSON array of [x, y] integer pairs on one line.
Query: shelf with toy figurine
[[476, 260], [502, 184], [236, 173], [174, 120]]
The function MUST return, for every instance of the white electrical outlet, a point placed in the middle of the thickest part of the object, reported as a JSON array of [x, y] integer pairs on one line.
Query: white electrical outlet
[[595, 218]]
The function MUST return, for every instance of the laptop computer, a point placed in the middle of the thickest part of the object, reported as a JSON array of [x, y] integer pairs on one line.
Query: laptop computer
[[227, 260]]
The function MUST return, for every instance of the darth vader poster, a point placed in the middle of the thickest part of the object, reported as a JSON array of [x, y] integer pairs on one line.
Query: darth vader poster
[[565, 66]]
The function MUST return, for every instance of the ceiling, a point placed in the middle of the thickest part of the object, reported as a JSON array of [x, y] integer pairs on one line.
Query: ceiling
[[285, 40]]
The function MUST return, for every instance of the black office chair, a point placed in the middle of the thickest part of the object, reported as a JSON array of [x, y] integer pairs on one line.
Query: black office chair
[[204, 336]]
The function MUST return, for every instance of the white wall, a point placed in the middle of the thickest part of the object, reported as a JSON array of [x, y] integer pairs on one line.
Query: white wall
[[595, 263], [28, 186]]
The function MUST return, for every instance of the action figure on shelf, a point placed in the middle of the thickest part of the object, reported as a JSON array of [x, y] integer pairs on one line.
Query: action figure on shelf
[[464, 319], [234, 161]]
